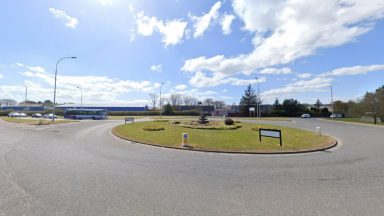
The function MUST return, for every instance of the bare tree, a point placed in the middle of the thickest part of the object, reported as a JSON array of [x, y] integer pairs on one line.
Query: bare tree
[[218, 104], [154, 99], [175, 100], [189, 100], [208, 101]]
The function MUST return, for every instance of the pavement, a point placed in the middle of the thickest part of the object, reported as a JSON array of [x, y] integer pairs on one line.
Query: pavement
[[82, 169]]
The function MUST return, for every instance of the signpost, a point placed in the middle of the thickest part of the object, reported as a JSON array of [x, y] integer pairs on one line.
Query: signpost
[[270, 133], [251, 109]]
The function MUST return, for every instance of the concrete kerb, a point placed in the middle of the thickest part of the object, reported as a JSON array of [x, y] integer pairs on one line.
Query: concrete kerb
[[332, 145]]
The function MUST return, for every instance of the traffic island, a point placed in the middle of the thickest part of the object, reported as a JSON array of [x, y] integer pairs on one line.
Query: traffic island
[[242, 139]]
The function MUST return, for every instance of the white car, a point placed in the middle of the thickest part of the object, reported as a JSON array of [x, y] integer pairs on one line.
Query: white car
[[23, 115], [50, 116], [336, 115], [306, 115], [14, 114]]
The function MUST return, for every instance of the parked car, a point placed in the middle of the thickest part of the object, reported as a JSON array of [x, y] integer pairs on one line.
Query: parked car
[[50, 116], [306, 115], [23, 115], [336, 115], [36, 115], [14, 114]]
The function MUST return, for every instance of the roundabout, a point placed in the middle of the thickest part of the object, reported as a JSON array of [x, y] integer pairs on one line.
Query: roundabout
[[218, 137], [82, 169]]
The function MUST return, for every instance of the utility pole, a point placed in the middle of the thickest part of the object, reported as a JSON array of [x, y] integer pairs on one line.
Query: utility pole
[[26, 95]]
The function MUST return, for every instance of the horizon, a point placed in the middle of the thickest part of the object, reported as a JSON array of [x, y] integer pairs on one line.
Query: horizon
[[213, 49]]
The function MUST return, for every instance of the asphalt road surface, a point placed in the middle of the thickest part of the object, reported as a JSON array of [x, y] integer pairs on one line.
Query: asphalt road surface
[[81, 169]]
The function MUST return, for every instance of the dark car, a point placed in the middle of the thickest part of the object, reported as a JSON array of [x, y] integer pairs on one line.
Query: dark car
[[36, 115]]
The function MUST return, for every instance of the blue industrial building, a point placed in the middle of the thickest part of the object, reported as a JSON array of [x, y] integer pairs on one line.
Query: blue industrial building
[[107, 108], [74, 106]]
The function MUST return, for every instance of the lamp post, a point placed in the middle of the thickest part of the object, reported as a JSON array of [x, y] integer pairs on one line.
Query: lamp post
[[161, 84], [81, 97], [54, 92], [258, 98], [332, 98], [26, 95]]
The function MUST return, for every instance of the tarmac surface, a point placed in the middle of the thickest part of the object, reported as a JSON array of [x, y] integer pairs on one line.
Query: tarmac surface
[[82, 169]]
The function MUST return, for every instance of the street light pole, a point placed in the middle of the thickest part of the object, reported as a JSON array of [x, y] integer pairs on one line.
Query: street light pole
[[54, 92], [161, 84], [258, 97], [332, 99], [81, 97], [26, 95]]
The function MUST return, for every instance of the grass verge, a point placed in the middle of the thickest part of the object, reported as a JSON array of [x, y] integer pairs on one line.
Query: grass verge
[[123, 117], [36, 121], [356, 120], [243, 139]]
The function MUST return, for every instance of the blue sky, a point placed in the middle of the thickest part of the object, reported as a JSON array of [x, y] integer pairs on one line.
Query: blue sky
[[201, 48]]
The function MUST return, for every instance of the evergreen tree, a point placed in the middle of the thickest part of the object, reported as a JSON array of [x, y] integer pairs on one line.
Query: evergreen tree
[[249, 99], [317, 105], [276, 106], [168, 110]]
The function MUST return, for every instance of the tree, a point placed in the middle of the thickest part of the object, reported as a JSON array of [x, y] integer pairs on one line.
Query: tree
[[340, 107], [154, 99], [380, 102], [8, 102], [370, 105], [218, 104], [175, 100], [317, 105], [292, 107], [208, 102], [249, 99], [276, 106], [190, 101], [168, 110]]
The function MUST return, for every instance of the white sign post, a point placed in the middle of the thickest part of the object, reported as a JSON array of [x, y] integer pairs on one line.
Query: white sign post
[[270, 133]]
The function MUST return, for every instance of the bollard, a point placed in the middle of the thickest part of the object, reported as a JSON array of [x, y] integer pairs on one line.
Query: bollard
[[318, 131], [184, 140]]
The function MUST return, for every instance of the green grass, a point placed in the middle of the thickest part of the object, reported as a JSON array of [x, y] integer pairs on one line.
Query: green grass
[[123, 117], [262, 118], [240, 140], [35, 121], [356, 120]]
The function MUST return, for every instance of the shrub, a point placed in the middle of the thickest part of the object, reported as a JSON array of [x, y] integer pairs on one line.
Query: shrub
[[153, 128], [176, 122], [229, 121], [168, 110]]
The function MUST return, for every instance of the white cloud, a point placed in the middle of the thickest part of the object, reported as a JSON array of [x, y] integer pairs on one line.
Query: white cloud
[[315, 84], [172, 31], [285, 31], [200, 80], [181, 87], [276, 71], [226, 23], [71, 22], [1, 76], [304, 75], [356, 70], [202, 23], [107, 2], [100, 89], [157, 68]]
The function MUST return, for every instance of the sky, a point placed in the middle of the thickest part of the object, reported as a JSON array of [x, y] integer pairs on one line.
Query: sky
[[126, 49]]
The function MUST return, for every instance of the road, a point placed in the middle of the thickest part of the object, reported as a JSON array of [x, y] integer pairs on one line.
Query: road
[[81, 169]]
